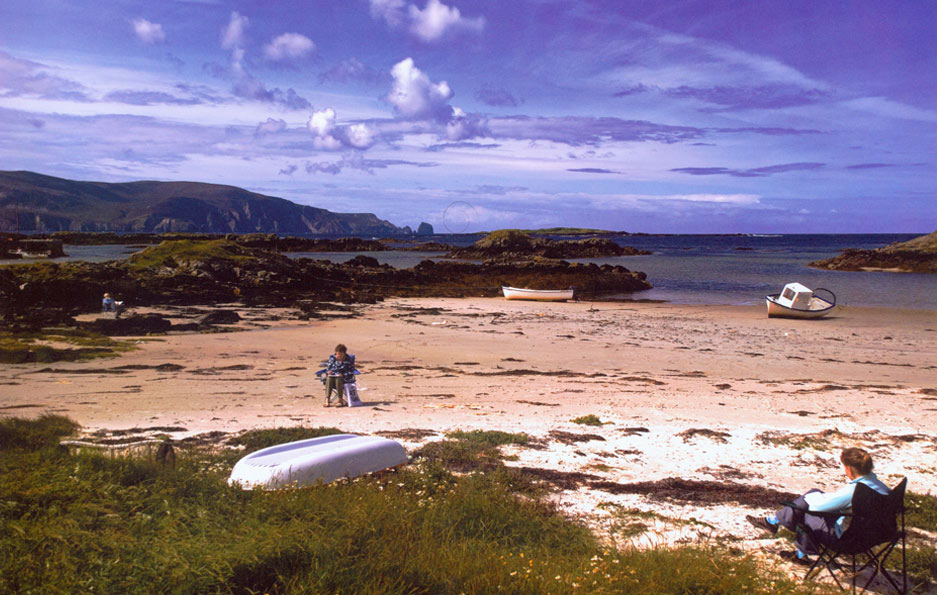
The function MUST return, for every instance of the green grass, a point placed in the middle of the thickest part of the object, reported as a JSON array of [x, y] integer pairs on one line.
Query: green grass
[[588, 420], [88, 523], [256, 439], [32, 347], [172, 252]]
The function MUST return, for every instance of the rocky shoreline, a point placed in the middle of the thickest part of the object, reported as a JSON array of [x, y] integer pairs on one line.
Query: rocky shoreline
[[915, 256], [203, 272]]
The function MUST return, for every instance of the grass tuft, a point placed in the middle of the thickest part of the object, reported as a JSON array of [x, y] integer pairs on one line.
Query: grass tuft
[[588, 420], [35, 434]]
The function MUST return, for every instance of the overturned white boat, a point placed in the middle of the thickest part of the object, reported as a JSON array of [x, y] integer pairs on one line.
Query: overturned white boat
[[316, 460], [797, 301], [540, 295]]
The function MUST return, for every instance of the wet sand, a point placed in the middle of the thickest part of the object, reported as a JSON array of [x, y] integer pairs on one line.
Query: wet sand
[[702, 408]]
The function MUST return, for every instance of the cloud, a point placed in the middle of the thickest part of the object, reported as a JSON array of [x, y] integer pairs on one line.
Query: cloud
[[578, 130], [357, 161], [270, 126], [232, 36], [593, 170], [289, 170], [390, 11], [870, 165], [431, 23], [414, 95], [289, 47], [148, 98], [461, 145], [351, 69], [749, 173], [632, 90], [496, 97], [772, 131], [24, 77], [148, 32], [758, 97], [463, 126], [329, 136]]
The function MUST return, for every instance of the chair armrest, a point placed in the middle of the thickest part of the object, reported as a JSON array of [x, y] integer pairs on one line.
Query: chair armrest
[[321, 372]]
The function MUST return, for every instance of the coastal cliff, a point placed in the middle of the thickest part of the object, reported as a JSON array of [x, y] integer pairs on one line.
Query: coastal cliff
[[914, 256], [31, 202]]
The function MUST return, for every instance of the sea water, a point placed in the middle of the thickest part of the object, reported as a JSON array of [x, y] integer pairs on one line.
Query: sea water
[[694, 269]]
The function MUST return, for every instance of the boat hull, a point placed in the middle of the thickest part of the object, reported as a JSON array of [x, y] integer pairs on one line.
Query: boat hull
[[539, 295], [819, 309], [317, 460]]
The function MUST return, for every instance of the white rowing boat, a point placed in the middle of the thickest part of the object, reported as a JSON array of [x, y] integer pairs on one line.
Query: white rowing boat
[[317, 460], [540, 295], [797, 301]]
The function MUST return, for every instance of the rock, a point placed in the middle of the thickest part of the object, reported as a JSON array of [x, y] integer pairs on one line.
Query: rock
[[510, 245], [425, 229], [141, 324], [219, 317], [363, 261], [915, 256]]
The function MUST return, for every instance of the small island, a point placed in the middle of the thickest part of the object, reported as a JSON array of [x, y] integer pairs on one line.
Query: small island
[[914, 256]]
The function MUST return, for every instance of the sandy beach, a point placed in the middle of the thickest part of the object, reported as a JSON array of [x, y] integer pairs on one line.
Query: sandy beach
[[684, 393]]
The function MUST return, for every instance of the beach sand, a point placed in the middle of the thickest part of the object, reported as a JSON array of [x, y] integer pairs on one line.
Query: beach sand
[[687, 395]]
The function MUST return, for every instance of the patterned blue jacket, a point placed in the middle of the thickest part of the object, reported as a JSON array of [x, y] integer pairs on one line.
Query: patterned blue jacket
[[345, 367]]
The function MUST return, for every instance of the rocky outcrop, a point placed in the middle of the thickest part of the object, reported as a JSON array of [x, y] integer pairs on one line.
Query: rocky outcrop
[[187, 272], [512, 245], [915, 256], [425, 229]]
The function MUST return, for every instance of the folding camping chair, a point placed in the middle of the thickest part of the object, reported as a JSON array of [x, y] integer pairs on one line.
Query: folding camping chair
[[873, 532], [351, 388]]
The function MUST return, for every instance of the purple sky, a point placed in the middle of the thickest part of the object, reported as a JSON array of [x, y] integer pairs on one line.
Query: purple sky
[[697, 116]]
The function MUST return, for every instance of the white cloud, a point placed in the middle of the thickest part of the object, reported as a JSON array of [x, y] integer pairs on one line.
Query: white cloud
[[148, 32], [414, 95], [887, 108], [432, 22], [391, 11], [322, 124], [233, 34], [359, 136], [289, 46], [429, 24]]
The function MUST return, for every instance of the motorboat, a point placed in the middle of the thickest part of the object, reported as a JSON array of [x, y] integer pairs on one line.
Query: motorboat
[[798, 301]]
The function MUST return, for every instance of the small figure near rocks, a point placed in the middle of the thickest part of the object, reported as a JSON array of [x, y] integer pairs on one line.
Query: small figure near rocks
[[108, 304]]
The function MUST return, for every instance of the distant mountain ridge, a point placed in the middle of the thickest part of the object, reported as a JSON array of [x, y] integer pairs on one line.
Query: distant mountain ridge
[[35, 202]]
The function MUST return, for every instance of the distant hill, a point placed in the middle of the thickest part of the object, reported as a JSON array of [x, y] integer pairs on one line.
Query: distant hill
[[35, 202]]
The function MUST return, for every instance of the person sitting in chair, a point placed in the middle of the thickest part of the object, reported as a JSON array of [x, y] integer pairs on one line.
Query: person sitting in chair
[[857, 465], [107, 304], [339, 370]]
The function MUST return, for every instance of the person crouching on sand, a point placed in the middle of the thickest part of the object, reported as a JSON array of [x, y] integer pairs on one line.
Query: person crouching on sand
[[857, 465], [339, 370]]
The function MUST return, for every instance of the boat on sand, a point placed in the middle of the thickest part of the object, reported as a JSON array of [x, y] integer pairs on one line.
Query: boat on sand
[[797, 301], [540, 295], [316, 460]]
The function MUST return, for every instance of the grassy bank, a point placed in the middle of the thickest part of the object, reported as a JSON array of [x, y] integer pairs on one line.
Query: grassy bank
[[91, 523]]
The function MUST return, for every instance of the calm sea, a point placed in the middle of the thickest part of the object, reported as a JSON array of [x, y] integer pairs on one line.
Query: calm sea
[[700, 269]]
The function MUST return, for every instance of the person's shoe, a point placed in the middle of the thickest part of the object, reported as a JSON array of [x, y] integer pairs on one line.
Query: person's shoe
[[792, 557], [761, 523]]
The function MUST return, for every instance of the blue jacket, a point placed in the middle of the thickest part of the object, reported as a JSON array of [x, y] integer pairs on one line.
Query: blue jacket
[[345, 367]]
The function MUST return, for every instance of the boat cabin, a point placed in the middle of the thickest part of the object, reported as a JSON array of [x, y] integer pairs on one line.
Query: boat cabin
[[795, 296]]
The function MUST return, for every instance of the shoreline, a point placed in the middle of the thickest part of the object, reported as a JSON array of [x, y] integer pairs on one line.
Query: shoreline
[[693, 393]]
